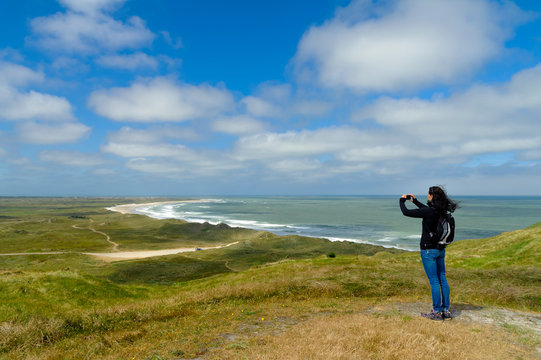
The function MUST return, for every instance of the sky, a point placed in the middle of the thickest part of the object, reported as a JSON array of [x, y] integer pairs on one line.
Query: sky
[[243, 97]]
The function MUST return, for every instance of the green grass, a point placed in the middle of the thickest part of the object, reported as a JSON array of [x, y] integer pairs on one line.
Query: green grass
[[521, 247], [165, 270], [71, 306], [135, 232], [47, 224]]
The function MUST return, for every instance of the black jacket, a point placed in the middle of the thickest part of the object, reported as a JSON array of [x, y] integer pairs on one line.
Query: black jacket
[[430, 220]]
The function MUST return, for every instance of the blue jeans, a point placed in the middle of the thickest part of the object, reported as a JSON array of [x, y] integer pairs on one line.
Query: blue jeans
[[434, 264]]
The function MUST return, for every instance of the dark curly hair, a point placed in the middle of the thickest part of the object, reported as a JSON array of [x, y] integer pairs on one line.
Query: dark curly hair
[[440, 201]]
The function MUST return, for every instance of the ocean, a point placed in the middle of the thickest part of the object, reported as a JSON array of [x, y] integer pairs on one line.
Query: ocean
[[364, 219]]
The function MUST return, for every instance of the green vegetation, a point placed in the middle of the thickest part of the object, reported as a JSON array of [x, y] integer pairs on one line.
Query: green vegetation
[[227, 303]]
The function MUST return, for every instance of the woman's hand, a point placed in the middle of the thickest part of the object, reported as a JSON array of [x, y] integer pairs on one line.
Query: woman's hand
[[409, 197]]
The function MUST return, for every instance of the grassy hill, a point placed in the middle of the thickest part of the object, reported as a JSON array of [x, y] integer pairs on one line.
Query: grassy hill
[[267, 297]]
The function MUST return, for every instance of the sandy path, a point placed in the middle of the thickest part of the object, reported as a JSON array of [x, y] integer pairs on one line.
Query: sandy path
[[116, 255], [128, 255], [107, 237]]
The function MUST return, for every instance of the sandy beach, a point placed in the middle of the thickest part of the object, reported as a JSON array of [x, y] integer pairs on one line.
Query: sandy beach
[[130, 208], [127, 255]]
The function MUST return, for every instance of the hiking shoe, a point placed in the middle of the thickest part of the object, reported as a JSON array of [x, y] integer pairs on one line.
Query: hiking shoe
[[433, 315], [446, 315]]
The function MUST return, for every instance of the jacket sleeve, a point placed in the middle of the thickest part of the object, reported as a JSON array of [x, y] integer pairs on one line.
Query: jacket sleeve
[[421, 212], [418, 203]]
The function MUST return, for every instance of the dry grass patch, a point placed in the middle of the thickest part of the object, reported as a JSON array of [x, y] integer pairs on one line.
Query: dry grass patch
[[362, 336]]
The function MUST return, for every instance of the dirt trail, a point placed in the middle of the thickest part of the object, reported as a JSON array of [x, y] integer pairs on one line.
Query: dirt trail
[[107, 237], [128, 255], [472, 314], [116, 255], [125, 255]]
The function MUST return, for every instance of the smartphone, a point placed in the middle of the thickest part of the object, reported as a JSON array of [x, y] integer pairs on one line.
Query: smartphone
[[408, 197]]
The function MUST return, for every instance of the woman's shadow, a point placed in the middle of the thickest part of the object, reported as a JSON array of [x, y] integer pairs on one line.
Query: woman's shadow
[[457, 309]]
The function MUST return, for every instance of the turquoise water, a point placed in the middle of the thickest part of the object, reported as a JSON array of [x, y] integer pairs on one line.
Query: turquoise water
[[364, 219]]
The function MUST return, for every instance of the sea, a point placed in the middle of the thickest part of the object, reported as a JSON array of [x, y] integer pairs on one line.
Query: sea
[[373, 220]]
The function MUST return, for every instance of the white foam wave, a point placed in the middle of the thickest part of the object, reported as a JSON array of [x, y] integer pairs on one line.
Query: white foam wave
[[376, 242], [257, 224], [176, 211]]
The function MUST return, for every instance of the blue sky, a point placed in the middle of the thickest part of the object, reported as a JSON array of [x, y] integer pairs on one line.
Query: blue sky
[[163, 97]]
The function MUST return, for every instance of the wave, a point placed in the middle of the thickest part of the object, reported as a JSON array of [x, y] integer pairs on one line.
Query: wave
[[375, 242], [201, 212], [173, 211]]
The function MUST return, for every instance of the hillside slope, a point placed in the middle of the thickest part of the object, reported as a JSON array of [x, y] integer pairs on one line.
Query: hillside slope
[[270, 297]]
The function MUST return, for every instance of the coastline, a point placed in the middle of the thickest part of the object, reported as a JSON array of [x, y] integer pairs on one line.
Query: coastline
[[127, 209], [373, 220], [130, 208]]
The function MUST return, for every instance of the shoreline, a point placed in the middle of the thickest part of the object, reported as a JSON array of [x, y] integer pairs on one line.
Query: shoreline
[[130, 208], [137, 254]]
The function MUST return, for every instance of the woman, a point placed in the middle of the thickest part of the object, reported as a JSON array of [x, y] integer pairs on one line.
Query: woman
[[433, 259]]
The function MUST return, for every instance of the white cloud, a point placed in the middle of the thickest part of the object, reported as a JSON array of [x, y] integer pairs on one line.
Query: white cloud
[[176, 44], [485, 118], [410, 44], [71, 158], [133, 61], [159, 167], [152, 142], [311, 108], [297, 144], [40, 118], [51, 133], [17, 104], [161, 100], [531, 155], [152, 134], [295, 166], [91, 6], [21, 161], [10, 54], [69, 65], [274, 92], [275, 101], [86, 29], [129, 150], [238, 125], [375, 153], [200, 167], [151, 151], [322, 153], [14, 75], [172, 159], [259, 107], [172, 63]]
